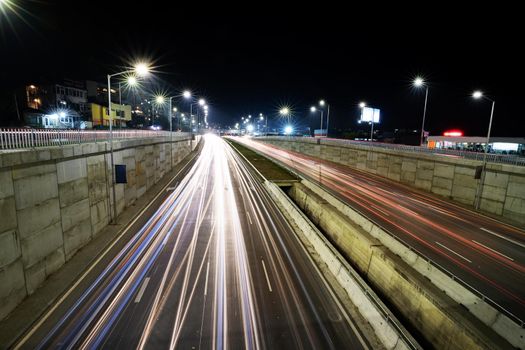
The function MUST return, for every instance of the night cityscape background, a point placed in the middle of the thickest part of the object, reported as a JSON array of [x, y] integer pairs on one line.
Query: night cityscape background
[[261, 175], [253, 60]]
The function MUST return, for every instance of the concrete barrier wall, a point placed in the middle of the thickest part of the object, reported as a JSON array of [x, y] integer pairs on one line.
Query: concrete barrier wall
[[440, 320], [485, 312], [386, 327], [55, 200], [451, 177]]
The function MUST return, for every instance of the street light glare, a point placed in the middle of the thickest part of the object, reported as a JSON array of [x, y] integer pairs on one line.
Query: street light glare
[[313, 109], [284, 111], [288, 130], [477, 94], [202, 102], [418, 82], [321, 103], [142, 69], [132, 81], [159, 99], [362, 105], [186, 94]]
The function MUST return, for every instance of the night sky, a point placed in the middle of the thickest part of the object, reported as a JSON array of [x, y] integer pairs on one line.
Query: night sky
[[257, 57]]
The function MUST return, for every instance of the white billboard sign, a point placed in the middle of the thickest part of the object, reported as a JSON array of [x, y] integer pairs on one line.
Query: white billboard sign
[[368, 114]]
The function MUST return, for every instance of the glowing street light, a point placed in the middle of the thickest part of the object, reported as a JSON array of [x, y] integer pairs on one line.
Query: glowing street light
[[479, 191], [160, 99], [285, 111], [288, 130], [420, 82], [186, 94], [321, 111], [249, 128], [362, 105], [142, 69], [477, 94], [132, 81], [202, 102]]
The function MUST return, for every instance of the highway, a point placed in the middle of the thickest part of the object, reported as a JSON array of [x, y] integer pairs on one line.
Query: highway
[[485, 253], [215, 266]]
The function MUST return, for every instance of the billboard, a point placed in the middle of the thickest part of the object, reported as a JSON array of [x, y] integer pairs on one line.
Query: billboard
[[369, 114]]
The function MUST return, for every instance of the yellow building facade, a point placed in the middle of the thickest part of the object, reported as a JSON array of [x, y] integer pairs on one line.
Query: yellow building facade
[[120, 113]]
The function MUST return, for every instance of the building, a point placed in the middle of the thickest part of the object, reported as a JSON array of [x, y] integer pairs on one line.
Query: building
[[63, 105], [121, 115], [501, 145]]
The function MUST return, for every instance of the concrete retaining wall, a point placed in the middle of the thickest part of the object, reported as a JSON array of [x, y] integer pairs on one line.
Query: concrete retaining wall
[[441, 321], [451, 177], [385, 326], [55, 200], [486, 313]]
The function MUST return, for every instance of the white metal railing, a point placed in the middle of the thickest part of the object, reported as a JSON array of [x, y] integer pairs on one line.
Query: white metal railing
[[491, 157], [32, 138]]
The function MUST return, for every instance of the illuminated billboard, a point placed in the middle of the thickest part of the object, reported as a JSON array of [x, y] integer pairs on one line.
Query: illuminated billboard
[[369, 114]]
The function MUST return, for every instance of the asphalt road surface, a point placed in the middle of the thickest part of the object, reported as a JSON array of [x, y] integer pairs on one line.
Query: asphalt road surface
[[487, 254], [216, 266]]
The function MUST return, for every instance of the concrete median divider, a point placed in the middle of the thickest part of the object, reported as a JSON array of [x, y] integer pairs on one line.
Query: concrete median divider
[[499, 322], [397, 275], [386, 327]]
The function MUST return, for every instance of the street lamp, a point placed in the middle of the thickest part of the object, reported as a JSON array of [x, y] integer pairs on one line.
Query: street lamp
[[420, 82], [322, 104], [321, 111], [479, 192], [141, 70], [285, 111]]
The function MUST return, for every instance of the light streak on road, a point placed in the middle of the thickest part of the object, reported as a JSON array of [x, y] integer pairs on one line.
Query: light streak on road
[[497, 269], [215, 266]]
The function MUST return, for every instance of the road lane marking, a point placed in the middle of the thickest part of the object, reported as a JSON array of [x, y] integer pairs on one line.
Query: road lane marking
[[249, 218], [503, 237], [408, 210], [266, 274], [379, 209], [450, 250], [207, 274], [141, 290], [493, 250]]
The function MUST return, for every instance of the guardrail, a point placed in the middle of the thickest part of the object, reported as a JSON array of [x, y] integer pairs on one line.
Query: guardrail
[[491, 157], [31, 138]]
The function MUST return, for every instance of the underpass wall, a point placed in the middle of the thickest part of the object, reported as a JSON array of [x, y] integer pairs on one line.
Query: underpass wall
[[439, 319], [55, 200], [452, 177]]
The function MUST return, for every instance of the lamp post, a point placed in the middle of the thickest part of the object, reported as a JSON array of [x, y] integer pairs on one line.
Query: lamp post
[[322, 103], [419, 82], [141, 69], [313, 110], [479, 192], [285, 111]]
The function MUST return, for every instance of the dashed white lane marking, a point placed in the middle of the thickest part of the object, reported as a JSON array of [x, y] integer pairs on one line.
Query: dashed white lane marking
[[141, 290], [493, 250], [503, 237], [266, 274], [453, 252], [206, 283]]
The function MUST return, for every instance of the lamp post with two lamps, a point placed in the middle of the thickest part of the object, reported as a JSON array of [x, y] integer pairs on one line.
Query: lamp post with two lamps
[[141, 70]]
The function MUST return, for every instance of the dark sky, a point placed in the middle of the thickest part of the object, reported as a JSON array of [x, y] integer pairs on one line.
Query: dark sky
[[255, 57]]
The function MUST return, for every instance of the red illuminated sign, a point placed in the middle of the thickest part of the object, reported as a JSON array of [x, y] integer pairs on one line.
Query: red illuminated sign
[[453, 133]]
